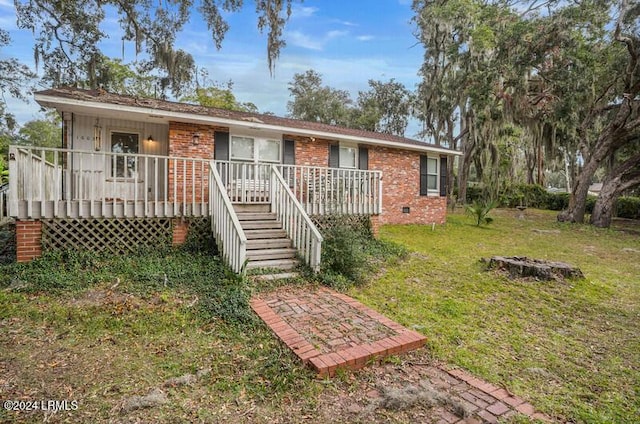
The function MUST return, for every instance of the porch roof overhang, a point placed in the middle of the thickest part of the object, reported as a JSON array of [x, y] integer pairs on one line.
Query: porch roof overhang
[[145, 113]]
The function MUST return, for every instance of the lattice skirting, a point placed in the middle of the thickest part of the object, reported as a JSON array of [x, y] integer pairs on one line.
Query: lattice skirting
[[106, 235], [327, 222], [200, 235]]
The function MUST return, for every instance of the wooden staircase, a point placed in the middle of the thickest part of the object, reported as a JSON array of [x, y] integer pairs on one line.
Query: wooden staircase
[[267, 243]]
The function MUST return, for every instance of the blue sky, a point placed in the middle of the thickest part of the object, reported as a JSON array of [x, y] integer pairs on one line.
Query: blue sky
[[347, 41]]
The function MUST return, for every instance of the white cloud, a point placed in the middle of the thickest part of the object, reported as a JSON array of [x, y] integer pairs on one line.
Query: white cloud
[[336, 34], [296, 38], [6, 3], [365, 37], [311, 42], [300, 11], [345, 23]]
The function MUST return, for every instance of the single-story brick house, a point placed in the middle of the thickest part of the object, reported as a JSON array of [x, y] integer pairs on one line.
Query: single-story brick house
[[261, 178]]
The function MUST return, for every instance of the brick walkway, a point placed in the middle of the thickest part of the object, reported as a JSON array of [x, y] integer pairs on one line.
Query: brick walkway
[[328, 330]]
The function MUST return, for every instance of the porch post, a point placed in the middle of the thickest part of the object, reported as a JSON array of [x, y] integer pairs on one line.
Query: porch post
[[13, 182]]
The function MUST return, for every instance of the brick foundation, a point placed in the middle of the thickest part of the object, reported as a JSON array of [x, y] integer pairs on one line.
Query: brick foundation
[[375, 225], [180, 231], [28, 240]]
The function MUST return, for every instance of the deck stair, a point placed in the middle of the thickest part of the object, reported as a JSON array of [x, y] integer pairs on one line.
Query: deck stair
[[267, 243]]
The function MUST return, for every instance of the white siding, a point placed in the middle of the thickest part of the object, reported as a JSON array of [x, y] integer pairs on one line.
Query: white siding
[[83, 139]]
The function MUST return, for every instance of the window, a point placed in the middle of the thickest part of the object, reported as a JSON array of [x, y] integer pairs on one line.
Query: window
[[255, 149], [269, 150], [242, 148], [428, 175], [432, 174], [348, 157], [122, 165]]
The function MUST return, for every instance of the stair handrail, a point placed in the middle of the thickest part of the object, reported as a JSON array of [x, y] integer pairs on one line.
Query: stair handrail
[[296, 222], [230, 238]]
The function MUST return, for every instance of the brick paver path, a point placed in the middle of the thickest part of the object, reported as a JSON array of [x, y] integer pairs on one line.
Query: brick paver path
[[329, 330]]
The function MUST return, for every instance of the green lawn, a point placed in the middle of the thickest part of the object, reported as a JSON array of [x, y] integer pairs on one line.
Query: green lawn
[[572, 348], [102, 329]]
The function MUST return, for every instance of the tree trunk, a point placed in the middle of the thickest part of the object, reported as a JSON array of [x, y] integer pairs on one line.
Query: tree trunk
[[611, 138], [603, 209], [463, 173], [622, 177]]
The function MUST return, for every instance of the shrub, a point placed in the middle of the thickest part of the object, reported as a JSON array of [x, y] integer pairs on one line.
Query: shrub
[[343, 253], [350, 254], [628, 207], [473, 194], [557, 201], [480, 211], [529, 195]]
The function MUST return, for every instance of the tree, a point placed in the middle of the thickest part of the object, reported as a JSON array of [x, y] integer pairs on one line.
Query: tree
[[384, 108], [220, 97], [41, 132], [70, 31], [610, 119], [317, 103], [467, 83], [117, 77], [624, 176], [14, 76]]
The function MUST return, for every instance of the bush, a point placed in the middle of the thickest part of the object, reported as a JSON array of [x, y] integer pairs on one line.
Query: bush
[[557, 201], [473, 194], [350, 254], [628, 207], [343, 253]]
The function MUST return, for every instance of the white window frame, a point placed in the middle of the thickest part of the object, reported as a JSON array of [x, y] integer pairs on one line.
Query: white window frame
[[256, 149], [128, 175], [348, 146], [435, 190]]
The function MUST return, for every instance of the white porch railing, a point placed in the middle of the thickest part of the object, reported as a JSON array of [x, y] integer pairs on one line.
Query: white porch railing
[[332, 190], [246, 182], [226, 228], [64, 183], [48, 183], [305, 236]]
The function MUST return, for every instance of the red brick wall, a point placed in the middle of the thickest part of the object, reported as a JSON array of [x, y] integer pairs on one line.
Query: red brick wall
[[28, 240], [181, 145], [311, 153], [401, 188]]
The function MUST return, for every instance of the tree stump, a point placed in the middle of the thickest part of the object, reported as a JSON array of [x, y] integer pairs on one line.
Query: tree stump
[[521, 266]]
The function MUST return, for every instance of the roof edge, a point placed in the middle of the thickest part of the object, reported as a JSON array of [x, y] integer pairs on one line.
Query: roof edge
[[41, 98]]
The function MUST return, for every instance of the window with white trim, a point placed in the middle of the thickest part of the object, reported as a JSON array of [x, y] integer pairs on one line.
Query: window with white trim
[[428, 175], [123, 166], [255, 149], [348, 157]]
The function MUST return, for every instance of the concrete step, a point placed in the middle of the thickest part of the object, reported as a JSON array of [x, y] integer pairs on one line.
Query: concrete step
[[282, 264], [252, 207], [256, 216], [274, 277], [276, 243], [265, 234], [260, 225], [264, 254]]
